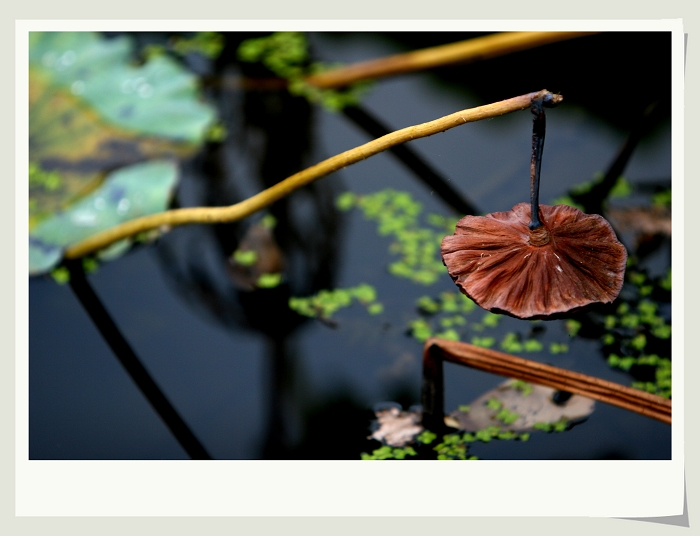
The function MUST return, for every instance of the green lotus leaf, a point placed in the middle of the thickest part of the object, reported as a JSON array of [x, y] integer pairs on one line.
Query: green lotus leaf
[[127, 193], [158, 98], [92, 112]]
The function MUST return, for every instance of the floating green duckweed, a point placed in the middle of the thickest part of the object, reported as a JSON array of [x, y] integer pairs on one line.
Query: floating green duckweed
[[665, 282], [444, 317], [61, 275], [490, 320], [622, 188], [269, 280], [426, 437], [420, 329], [532, 345], [661, 332], [245, 257], [629, 321], [454, 446], [633, 336], [286, 55], [484, 342], [507, 416], [389, 453], [208, 44], [572, 327], [662, 384], [417, 247], [559, 426], [610, 322], [524, 387], [662, 198], [217, 133], [558, 348], [327, 302], [494, 404], [639, 341], [448, 334], [636, 278], [511, 344]]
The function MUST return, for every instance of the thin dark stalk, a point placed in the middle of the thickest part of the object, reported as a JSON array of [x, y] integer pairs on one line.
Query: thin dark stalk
[[126, 356], [412, 161], [539, 125], [433, 390]]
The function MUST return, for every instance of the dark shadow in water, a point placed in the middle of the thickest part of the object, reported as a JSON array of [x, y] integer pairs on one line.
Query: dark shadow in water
[[131, 363], [614, 75], [457, 202], [269, 138]]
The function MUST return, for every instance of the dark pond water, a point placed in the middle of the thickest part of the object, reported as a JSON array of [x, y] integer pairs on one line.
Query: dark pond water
[[252, 379]]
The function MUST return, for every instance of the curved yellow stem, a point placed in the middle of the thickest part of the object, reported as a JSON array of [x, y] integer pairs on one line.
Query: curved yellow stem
[[247, 207], [479, 48]]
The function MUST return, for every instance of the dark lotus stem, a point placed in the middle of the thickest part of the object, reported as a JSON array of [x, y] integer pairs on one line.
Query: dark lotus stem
[[539, 125]]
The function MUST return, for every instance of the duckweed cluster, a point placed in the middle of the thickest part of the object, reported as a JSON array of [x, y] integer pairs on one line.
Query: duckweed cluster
[[207, 44], [445, 317], [635, 335], [504, 415], [326, 302], [61, 275], [286, 54], [397, 215], [559, 426], [524, 387], [621, 189], [454, 446], [389, 453]]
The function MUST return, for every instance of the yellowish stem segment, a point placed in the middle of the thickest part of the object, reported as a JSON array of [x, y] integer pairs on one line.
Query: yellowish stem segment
[[183, 216], [479, 48]]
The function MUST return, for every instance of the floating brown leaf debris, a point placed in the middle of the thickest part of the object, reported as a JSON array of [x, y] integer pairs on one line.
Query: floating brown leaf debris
[[518, 407], [396, 428], [571, 260], [642, 220], [258, 254]]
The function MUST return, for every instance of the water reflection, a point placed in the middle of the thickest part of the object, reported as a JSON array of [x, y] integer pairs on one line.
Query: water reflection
[[270, 137]]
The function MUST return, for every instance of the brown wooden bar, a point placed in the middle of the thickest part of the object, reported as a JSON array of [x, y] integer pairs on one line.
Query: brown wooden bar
[[527, 370]]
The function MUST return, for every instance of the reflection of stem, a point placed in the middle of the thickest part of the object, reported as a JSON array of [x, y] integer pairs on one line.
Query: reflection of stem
[[468, 51], [511, 366], [480, 48], [283, 188], [593, 200], [413, 161], [131, 363]]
